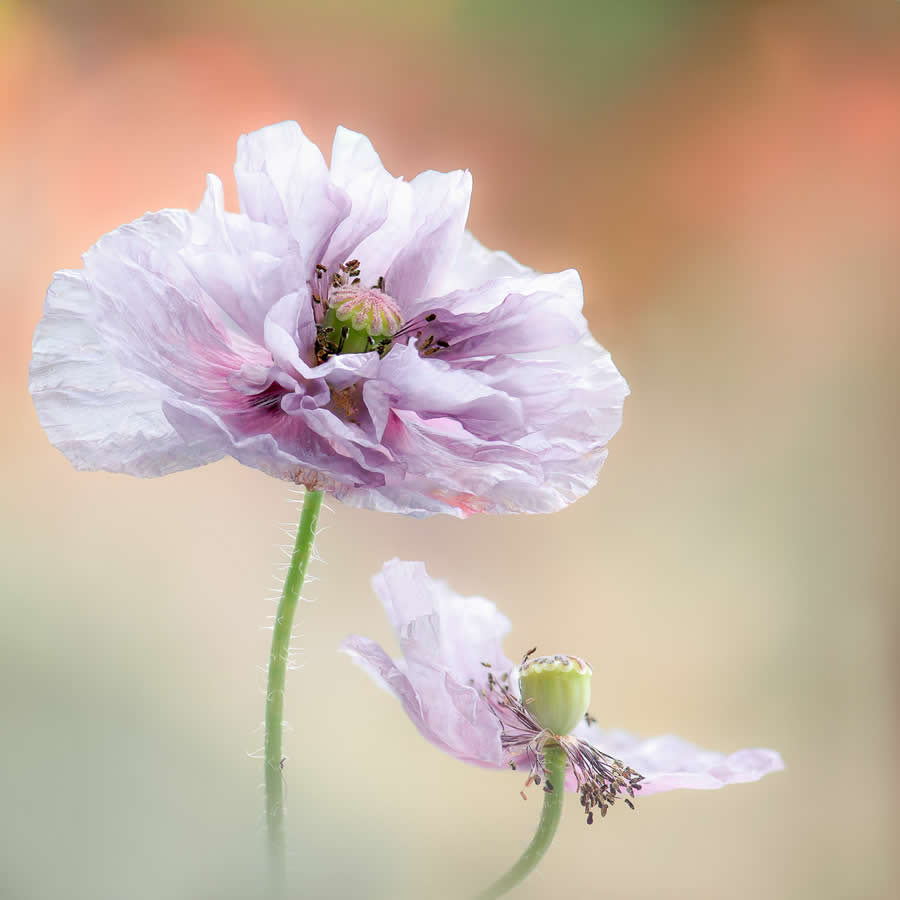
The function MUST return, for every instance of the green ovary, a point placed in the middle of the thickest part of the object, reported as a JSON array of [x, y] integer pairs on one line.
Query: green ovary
[[357, 339], [556, 690]]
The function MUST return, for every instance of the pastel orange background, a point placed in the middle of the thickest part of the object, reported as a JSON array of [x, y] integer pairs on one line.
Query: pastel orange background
[[726, 177]]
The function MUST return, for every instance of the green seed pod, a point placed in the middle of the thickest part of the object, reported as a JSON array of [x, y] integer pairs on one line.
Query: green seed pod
[[556, 690], [359, 319]]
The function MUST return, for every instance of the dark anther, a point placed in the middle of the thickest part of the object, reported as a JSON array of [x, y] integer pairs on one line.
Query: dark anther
[[442, 344], [345, 332], [430, 317], [590, 818]]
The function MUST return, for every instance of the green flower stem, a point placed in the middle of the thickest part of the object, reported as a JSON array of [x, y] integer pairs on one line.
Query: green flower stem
[[278, 663], [555, 761]]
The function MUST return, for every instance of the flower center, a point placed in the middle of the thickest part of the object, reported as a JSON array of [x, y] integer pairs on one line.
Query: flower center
[[351, 318], [356, 319], [556, 690], [369, 316]]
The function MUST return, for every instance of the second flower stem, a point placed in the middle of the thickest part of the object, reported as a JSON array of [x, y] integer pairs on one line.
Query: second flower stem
[[555, 762], [278, 666]]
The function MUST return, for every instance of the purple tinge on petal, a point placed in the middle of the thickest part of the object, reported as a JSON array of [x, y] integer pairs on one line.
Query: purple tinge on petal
[[452, 681], [436, 627], [445, 640], [283, 180], [356, 168], [669, 763], [440, 210], [475, 265], [242, 265], [189, 336], [96, 411], [521, 322]]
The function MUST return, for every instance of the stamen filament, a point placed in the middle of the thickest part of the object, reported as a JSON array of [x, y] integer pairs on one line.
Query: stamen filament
[[554, 794]]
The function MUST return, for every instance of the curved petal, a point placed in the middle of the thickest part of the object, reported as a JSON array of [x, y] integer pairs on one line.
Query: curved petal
[[434, 389], [485, 296], [283, 181], [244, 266], [356, 168], [210, 326], [440, 210], [669, 763], [475, 265], [446, 640], [384, 672], [424, 220], [520, 323], [449, 641], [457, 728], [156, 320], [437, 626], [99, 414]]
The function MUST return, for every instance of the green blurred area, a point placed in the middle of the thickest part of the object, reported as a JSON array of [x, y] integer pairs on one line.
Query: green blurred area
[[724, 176]]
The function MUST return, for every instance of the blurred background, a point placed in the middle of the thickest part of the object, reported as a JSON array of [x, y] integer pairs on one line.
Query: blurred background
[[726, 177]]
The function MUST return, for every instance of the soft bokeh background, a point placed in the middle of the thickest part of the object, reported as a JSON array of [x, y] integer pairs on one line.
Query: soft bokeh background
[[726, 176]]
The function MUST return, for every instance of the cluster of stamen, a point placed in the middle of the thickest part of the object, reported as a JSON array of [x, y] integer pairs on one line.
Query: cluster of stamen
[[430, 345], [352, 318], [601, 779]]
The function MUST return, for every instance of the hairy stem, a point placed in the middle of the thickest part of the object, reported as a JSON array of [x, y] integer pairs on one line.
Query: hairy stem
[[278, 664], [555, 761]]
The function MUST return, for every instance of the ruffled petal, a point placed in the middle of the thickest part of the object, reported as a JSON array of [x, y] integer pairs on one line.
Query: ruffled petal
[[475, 265], [447, 681], [244, 266], [436, 626], [356, 168], [283, 181], [415, 245], [485, 296], [384, 672], [520, 323], [440, 210], [669, 763], [434, 389], [443, 637], [209, 325], [98, 413]]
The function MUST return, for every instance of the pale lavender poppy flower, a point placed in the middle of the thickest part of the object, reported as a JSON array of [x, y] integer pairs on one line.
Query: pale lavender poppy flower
[[344, 331], [462, 693]]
